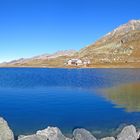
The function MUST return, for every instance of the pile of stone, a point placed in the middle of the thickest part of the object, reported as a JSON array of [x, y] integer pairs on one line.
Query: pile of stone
[[54, 133]]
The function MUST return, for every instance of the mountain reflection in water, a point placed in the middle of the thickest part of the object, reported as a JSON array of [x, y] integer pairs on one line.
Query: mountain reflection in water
[[125, 96], [32, 99]]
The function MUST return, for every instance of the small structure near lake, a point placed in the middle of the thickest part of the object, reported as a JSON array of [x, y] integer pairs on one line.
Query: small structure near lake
[[77, 62]]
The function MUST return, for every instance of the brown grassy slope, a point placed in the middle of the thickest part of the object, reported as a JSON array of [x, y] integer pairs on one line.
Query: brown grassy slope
[[56, 62], [121, 49]]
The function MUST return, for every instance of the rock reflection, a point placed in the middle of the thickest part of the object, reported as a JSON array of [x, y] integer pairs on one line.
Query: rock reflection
[[125, 96]]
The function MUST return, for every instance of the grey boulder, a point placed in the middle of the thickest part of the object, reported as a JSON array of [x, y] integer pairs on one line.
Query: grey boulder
[[5, 132], [128, 133], [51, 133], [82, 134], [31, 137], [108, 138]]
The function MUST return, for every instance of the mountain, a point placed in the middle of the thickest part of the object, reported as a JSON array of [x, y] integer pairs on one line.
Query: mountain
[[55, 55], [119, 47], [46, 60]]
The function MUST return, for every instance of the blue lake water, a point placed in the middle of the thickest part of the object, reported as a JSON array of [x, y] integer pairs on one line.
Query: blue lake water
[[100, 100]]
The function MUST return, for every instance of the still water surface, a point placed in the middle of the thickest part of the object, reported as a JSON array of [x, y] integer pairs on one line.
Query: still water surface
[[100, 100]]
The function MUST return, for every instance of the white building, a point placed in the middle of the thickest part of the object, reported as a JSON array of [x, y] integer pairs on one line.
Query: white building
[[86, 62], [76, 62]]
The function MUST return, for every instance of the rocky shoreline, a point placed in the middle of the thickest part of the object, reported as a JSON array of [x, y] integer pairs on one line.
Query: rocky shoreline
[[54, 133]]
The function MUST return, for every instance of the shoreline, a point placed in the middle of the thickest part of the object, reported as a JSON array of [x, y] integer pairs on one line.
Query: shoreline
[[101, 67], [54, 133]]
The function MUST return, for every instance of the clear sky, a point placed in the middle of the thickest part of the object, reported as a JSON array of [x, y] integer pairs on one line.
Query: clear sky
[[32, 27]]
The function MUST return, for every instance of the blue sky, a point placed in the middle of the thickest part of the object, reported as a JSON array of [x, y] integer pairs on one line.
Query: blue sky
[[32, 27]]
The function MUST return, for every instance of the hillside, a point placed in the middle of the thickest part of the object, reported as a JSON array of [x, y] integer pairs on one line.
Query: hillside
[[46, 60], [119, 47]]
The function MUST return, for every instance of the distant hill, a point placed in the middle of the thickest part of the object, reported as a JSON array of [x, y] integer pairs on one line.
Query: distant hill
[[46, 60], [119, 48]]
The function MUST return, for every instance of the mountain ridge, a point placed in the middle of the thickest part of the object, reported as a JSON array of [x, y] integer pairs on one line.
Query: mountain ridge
[[42, 58], [121, 47]]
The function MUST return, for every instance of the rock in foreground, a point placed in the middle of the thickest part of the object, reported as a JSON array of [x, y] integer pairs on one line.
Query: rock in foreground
[[54, 133], [108, 138], [5, 132], [82, 134], [51, 133], [128, 133]]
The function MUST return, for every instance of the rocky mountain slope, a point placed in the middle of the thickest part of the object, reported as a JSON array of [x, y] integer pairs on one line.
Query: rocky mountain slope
[[121, 46]]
